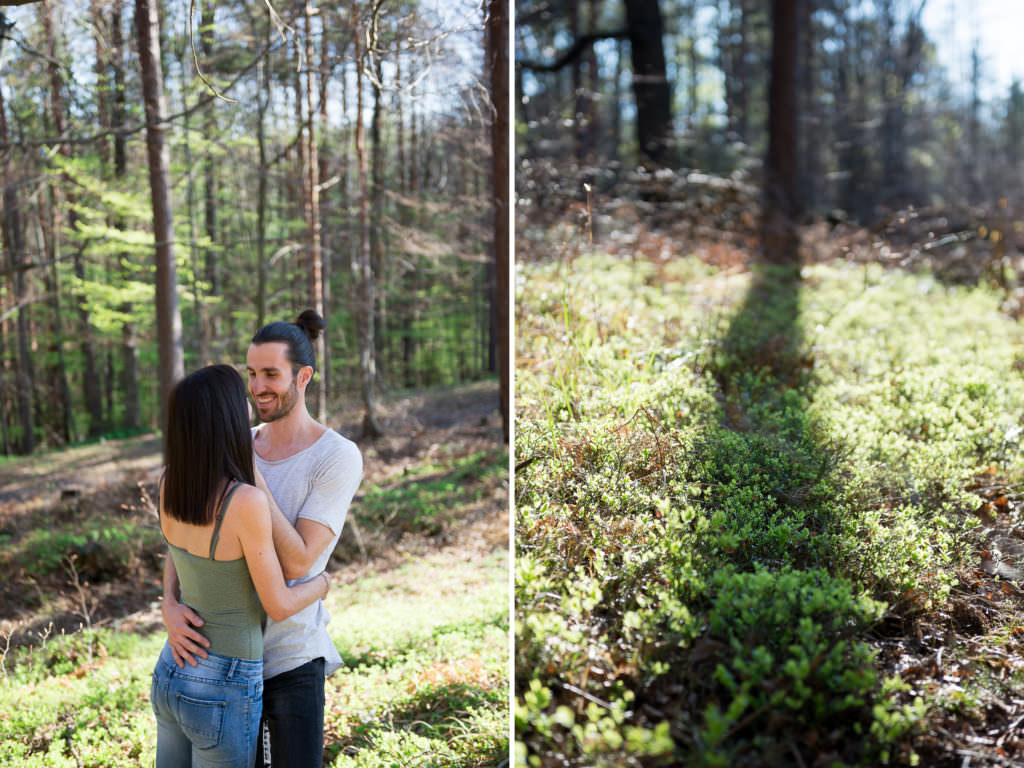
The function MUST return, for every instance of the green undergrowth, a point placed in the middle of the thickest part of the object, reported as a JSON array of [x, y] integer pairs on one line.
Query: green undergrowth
[[425, 681], [428, 497], [45, 551], [425, 641], [79, 699], [724, 485], [426, 676]]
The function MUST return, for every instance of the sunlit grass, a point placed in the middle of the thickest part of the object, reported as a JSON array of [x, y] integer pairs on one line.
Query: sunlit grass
[[426, 646]]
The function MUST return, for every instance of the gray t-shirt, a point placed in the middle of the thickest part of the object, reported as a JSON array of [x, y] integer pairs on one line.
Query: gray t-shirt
[[317, 483]]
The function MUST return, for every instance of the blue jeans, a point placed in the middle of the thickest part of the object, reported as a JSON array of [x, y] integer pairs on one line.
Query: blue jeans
[[206, 715], [293, 711]]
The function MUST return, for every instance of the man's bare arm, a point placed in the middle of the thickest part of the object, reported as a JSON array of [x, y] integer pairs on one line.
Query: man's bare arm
[[185, 641]]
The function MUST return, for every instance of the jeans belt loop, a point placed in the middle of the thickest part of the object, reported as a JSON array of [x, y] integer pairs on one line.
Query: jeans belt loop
[[231, 670]]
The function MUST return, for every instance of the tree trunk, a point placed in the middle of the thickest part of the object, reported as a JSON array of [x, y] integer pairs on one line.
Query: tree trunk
[[168, 318], [198, 327], [323, 172], [400, 125], [14, 244], [809, 166], [66, 420], [497, 58], [132, 419], [693, 57], [262, 104], [311, 173], [210, 129], [5, 440], [377, 214], [367, 298], [616, 102], [592, 132], [779, 240]]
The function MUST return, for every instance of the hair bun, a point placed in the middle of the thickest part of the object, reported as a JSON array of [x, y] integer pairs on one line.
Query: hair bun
[[311, 324]]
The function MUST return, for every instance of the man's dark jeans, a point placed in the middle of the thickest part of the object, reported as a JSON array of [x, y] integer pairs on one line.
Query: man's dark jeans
[[293, 709]]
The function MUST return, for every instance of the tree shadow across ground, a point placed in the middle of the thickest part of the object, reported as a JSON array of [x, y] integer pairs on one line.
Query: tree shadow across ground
[[781, 652], [782, 506]]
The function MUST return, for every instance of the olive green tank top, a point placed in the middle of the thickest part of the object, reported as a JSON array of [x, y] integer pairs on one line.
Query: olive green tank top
[[222, 593]]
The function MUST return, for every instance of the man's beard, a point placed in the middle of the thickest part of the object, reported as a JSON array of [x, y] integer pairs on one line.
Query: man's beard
[[285, 403]]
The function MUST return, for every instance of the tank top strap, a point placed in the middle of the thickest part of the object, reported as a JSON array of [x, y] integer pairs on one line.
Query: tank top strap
[[160, 491], [220, 518]]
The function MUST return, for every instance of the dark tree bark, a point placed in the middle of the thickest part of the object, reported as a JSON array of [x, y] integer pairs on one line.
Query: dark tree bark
[[311, 174], [377, 210], [367, 293], [210, 128], [590, 99], [132, 419], [651, 89], [5, 440], [168, 317], [497, 59], [198, 326], [781, 201], [14, 245], [650, 82], [262, 105], [92, 389], [400, 125]]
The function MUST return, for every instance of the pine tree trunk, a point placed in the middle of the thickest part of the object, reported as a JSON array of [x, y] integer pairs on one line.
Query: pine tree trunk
[[651, 88], [367, 299], [129, 333], [377, 214], [262, 103], [323, 171], [5, 440], [199, 329], [210, 129], [14, 244], [781, 204], [497, 57], [65, 420], [172, 364], [400, 124], [311, 174]]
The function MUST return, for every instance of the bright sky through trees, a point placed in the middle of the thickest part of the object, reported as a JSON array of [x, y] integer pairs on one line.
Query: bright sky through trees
[[954, 25]]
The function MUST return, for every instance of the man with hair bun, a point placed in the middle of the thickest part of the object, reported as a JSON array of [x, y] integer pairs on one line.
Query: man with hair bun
[[310, 473]]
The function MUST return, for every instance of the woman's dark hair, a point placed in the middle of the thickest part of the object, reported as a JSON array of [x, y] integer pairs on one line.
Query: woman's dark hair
[[299, 336], [208, 441]]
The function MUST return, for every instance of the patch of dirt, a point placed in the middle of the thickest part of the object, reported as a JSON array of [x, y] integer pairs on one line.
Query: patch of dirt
[[115, 481], [969, 653]]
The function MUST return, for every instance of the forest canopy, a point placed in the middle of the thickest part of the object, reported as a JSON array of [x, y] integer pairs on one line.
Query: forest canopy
[[335, 157]]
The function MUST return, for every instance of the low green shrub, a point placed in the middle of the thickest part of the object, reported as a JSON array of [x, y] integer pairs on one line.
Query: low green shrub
[[787, 653], [718, 497]]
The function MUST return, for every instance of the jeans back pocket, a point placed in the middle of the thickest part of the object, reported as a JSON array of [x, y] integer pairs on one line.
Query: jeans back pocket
[[201, 720]]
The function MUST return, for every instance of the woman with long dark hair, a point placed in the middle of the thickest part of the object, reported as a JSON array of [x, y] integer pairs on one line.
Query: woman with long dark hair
[[218, 531]]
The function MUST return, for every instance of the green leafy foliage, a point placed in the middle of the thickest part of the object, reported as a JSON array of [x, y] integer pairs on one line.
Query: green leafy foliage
[[427, 497], [45, 551], [718, 499]]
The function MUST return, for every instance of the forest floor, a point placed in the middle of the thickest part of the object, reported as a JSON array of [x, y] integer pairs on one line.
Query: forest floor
[[81, 552], [687, 455]]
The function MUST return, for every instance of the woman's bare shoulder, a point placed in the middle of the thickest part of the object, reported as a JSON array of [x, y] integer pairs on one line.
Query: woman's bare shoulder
[[249, 498]]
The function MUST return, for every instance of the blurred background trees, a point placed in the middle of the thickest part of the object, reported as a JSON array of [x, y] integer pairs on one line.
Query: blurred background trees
[[882, 122]]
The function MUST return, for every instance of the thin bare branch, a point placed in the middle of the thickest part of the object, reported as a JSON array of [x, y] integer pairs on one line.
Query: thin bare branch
[[195, 57]]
